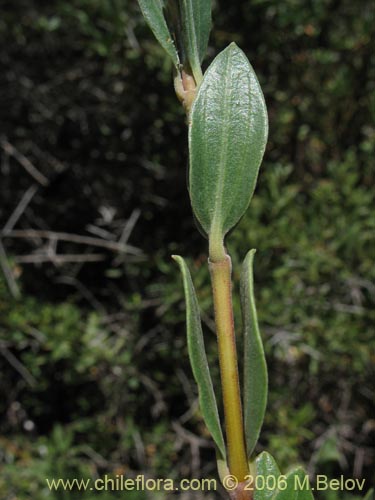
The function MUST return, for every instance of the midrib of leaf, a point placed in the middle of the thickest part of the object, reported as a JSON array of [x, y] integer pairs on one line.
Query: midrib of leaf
[[193, 38], [217, 223]]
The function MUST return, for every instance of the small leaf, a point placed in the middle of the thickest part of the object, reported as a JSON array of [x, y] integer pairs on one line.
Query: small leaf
[[198, 359], [295, 487], [255, 368], [196, 21], [370, 495], [227, 139], [267, 468], [152, 11], [222, 467]]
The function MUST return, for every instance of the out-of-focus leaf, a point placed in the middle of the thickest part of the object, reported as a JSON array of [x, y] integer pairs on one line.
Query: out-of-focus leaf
[[198, 359], [152, 11], [227, 138], [255, 368]]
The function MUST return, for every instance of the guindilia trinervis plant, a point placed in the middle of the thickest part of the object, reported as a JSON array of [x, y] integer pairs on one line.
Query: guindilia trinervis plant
[[227, 128]]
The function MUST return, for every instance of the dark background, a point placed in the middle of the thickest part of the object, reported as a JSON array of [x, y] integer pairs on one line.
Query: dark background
[[95, 376]]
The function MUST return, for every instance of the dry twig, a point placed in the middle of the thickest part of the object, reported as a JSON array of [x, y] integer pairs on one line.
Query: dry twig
[[20, 208], [72, 238], [23, 161], [39, 258], [18, 366], [8, 274]]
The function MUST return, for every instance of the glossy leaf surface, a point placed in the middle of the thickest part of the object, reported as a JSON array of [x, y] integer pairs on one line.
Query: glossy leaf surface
[[267, 468], [255, 369], [227, 139], [152, 11], [198, 359], [296, 487]]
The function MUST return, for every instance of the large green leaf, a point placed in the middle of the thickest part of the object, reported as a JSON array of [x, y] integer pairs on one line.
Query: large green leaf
[[198, 359], [152, 11], [267, 473], [295, 487], [227, 139], [196, 22], [255, 368]]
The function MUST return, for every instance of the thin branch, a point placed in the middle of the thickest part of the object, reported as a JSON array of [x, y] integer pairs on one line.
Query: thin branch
[[59, 259], [160, 406], [20, 208], [98, 459], [84, 291], [8, 274], [195, 443], [128, 229], [129, 226], [24, 162], [102, 233], [73, 238], [47, 157], [17, 365], [189, 437]]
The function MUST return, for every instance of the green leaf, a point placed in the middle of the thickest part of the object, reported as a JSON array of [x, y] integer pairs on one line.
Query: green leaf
[[267, 468], [196, 22], [198, 359], [255, 368], [222, 467], [227, 139], [152, 11], [370, 495], [295, 487]]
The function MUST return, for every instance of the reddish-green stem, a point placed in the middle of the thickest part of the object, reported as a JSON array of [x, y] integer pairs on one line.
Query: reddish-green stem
[[222, 294]]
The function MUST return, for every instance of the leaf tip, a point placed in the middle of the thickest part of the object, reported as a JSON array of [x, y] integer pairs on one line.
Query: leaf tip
[[250, 256], [235, 49]]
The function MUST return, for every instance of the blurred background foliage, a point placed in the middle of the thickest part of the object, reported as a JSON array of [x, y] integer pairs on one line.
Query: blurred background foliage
[[95, 376]]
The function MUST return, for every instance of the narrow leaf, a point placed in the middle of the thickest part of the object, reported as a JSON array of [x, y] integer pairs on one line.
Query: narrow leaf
[[198, 359], [152, 11], [196, 20], [255, 368], [268, 474], [295, 487], [227, 139]]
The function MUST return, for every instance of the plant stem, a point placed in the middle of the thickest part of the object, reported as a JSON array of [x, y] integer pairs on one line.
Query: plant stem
[[222, 294], [216, 246]]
